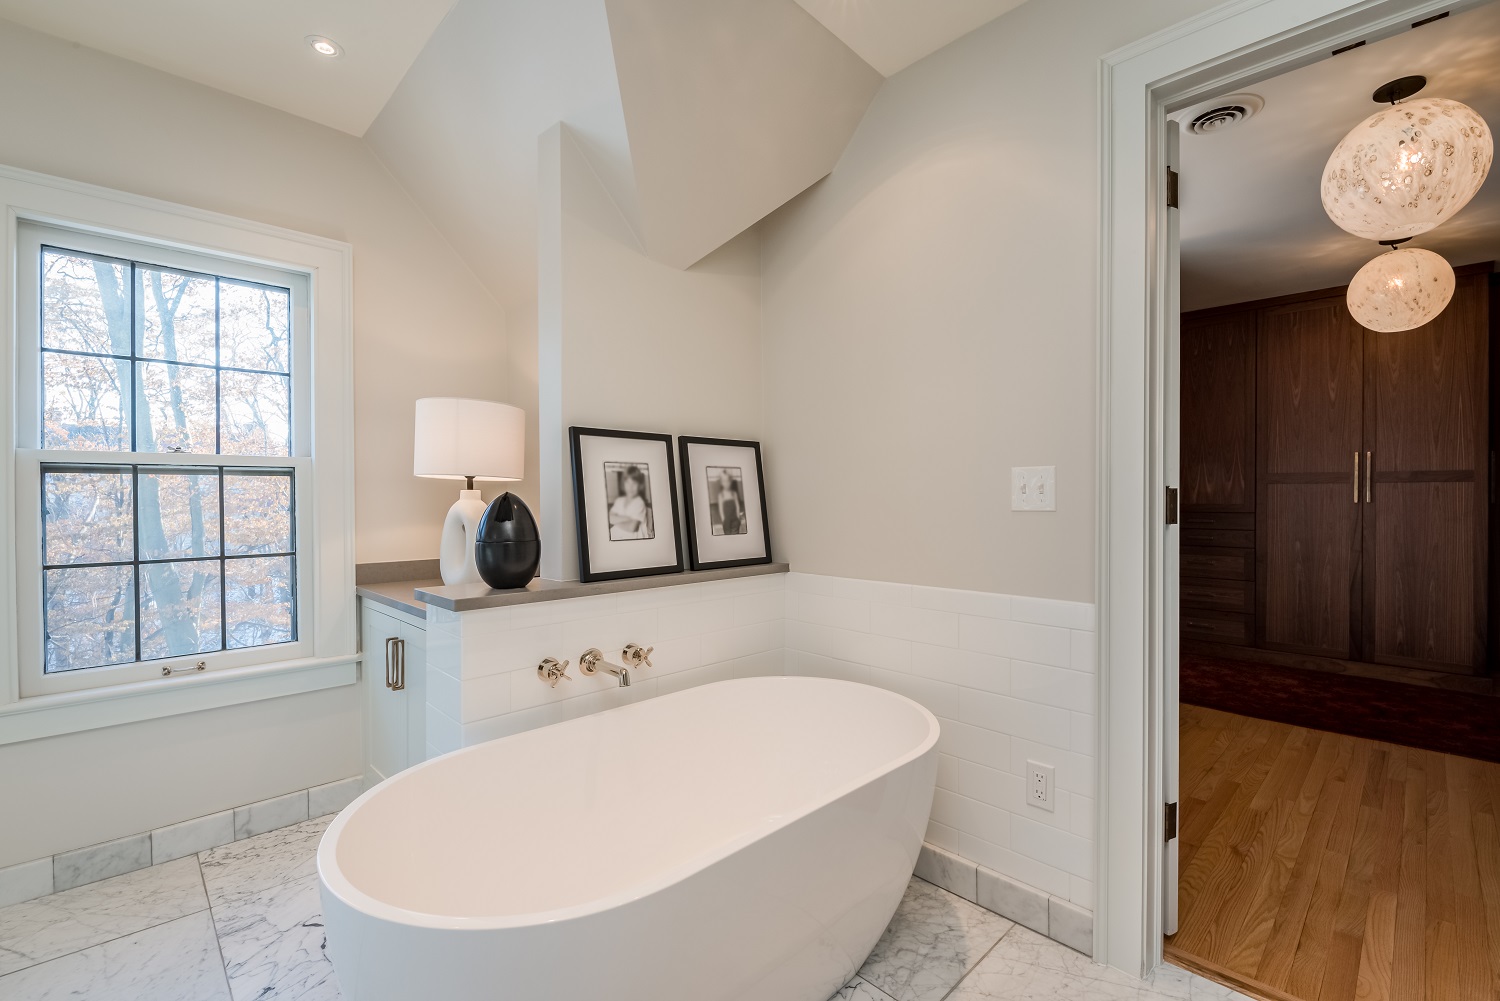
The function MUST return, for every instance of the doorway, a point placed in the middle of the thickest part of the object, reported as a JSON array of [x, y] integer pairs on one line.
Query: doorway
[[1335, 743], [1231, 48]]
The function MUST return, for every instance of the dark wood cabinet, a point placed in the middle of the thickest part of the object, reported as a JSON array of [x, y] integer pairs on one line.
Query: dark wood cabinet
[[1335, 481]]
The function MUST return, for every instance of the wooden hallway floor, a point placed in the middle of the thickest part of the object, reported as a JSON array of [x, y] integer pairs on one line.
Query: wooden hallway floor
[[1323, 867]]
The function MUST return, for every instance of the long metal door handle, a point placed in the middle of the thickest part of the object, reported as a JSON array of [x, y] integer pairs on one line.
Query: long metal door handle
[[400, 666], [390, 662], [1356, 477], [1369, 475]]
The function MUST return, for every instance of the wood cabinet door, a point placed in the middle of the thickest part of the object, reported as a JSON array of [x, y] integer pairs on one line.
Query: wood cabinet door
[[1218, 412], [1308, 528], [1426, 511]]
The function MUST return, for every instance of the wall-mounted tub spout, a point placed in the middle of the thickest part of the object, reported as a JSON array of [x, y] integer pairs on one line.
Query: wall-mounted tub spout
[[592, 662]]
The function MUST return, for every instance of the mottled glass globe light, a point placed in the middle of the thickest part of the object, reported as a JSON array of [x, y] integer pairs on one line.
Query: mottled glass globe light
[[1400, 290], [1407, 168]]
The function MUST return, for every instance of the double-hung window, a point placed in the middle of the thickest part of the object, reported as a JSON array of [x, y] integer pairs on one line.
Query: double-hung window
[[163, 414]]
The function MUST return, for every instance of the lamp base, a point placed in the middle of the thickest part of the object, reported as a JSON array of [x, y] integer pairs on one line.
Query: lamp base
[[460, 529]]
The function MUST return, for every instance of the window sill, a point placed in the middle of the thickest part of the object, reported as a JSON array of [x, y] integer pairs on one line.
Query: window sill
[[70, 712]]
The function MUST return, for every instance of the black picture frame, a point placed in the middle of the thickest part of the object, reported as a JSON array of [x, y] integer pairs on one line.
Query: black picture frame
[[695, 553], [588, 549]]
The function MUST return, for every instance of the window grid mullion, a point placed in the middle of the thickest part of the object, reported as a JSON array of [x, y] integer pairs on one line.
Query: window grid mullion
[[223, 572], [135, 531]]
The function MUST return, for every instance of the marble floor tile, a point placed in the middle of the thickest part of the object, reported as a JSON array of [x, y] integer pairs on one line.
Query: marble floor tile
[[1027, 967], [860, 989], [934, 939], [176, 961], [38, 930], [273, 944], [277, 856]]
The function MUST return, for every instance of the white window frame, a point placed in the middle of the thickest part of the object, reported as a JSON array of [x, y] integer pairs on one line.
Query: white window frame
[[99, 220]]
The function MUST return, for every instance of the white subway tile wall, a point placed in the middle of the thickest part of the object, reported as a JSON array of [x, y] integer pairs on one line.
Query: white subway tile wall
[[482, 680], [1011, 679]]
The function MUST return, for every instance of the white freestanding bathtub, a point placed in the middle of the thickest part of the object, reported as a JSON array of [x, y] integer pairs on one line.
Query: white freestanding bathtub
[[746, 839]]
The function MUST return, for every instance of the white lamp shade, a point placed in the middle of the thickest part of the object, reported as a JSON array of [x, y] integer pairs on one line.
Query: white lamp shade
[[1400, 290], [457, 438], [1407, 168]]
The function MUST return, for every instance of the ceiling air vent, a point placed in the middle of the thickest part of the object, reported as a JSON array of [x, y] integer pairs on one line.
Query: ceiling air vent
[[1221, 113]]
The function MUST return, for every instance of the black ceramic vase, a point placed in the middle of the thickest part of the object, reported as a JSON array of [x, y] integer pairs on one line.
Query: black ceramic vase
[[507, 547]]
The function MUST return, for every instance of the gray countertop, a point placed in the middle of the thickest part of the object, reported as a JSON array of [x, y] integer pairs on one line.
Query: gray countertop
[[413, 596], [400, 594], [470, 597]]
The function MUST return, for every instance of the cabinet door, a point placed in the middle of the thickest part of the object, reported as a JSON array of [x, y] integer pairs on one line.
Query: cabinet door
[[1426, 423], [385, 710], [1308, 516], [416, 692], [1218, 412]]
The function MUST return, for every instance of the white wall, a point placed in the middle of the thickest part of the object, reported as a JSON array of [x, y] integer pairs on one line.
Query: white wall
[[423, 325], [626, 342], [929, 315]]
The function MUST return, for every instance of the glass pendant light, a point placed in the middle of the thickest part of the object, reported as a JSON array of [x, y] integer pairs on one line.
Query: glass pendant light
[[1408, 167], [1400, 290]]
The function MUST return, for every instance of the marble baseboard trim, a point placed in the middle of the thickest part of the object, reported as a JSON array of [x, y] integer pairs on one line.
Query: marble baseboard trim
[[270, 815], [191, 837], [953, 873], [65, 870], [331, 797], [1060, 920], [27, 881], [1011, 898], [96, 862]]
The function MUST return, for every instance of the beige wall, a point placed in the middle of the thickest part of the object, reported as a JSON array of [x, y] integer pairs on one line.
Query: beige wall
[[930, 316], [628, 342], [423, 325]]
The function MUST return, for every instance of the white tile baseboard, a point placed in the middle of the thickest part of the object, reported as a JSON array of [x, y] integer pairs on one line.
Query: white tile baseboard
[[65, 870]]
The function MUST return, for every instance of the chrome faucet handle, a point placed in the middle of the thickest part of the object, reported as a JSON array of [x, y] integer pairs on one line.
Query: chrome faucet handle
[[635, 655], [551, 670]]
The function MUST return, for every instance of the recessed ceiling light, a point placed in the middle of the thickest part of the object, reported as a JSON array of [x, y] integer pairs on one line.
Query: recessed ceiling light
[[324, 46]]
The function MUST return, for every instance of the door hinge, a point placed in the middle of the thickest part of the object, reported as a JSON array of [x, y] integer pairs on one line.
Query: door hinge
[[1171, 505], [1172, 186], [1171, 825]]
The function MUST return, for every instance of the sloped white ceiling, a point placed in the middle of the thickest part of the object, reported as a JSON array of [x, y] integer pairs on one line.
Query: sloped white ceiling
[[461, 131], [890, 35], [732, 108], [1253, 225], [257, 50]]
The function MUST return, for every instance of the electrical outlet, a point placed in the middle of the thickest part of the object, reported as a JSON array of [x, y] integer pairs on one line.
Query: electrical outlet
[[1033, 488], [1041, 785]]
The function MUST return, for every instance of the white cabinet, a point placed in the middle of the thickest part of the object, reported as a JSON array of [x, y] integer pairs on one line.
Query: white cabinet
[[395, 683]]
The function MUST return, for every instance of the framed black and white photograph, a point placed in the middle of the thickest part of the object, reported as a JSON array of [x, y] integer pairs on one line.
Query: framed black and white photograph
[[625, 497], [724, 490]]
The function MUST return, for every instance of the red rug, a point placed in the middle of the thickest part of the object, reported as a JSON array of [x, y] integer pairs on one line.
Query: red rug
[[1432, 718]]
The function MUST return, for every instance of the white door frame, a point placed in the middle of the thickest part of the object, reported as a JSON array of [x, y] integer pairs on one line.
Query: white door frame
[[1234, 45]]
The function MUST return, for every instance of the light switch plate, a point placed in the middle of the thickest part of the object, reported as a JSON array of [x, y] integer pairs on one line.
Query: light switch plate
[[1033, 488]]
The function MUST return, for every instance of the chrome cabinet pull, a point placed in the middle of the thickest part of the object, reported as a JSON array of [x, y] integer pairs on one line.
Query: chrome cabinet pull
[[1356, 476], [400, 684], [1369, 475], [388, 659]]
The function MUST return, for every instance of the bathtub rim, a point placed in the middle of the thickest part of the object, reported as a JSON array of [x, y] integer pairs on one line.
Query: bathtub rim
[[333, 880]]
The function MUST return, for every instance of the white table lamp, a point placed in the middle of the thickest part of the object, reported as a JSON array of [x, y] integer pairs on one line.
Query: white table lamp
[[468, 440]]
